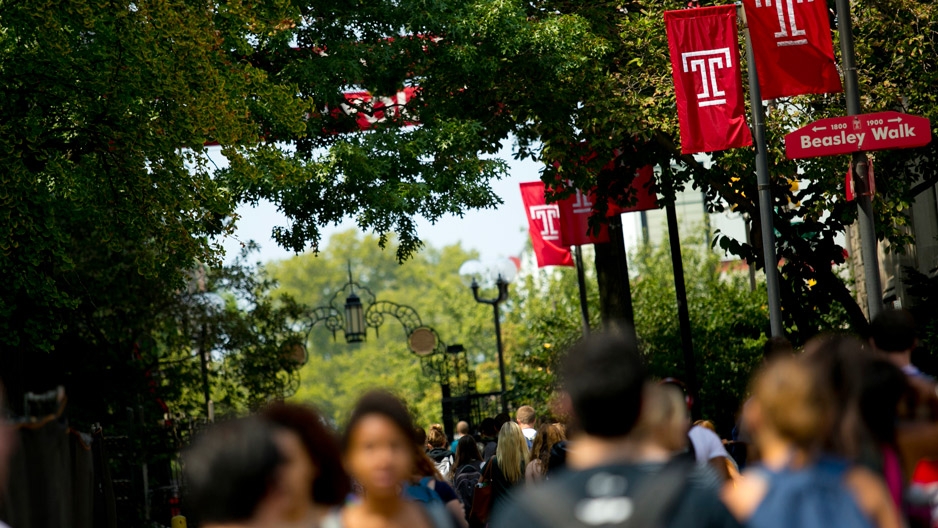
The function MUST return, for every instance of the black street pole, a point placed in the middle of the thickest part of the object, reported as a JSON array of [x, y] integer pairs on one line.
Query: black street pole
[[203, 356], [764, 185], [860, 165], [581, 282], [502, 297], [683, 314]]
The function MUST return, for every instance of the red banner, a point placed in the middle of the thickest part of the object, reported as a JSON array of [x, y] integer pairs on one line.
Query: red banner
[[575, 211], [544, 226], [707, 78], [792, 43], [370, 110]]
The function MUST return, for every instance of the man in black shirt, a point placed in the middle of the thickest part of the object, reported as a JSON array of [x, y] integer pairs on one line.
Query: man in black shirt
[[609, 482]]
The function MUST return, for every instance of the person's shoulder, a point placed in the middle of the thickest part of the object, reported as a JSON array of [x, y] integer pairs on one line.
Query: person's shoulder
[[584, 493], [706, 442]]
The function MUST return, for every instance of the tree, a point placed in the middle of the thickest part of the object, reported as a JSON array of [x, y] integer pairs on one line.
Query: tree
[[728, 322]]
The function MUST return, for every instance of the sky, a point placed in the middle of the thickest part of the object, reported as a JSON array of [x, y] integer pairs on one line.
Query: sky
[[495, 233]]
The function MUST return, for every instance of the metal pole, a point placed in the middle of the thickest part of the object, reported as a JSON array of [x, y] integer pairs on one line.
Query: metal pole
[[203, 355], [501, 357], [859, 163], [683, 314], [581, 282], [502, 297], [763, 183]]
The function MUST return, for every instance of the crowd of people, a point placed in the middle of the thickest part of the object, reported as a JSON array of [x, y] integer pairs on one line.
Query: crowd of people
[[843, 432]]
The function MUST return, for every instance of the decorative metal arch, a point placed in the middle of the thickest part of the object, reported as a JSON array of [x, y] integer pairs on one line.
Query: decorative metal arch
[[450, 369]]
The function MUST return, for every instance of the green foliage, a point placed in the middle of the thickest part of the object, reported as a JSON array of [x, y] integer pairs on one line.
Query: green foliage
[[337, 373], [544, 321], [728, 322]]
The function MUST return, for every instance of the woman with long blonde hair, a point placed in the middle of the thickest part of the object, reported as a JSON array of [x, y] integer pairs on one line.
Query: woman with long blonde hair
[[510, 460]]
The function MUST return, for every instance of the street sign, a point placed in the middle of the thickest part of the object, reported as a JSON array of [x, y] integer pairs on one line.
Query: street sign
[[859, 133]]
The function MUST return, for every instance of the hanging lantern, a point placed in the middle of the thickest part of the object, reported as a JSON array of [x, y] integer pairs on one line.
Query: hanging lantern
[[354, 319]]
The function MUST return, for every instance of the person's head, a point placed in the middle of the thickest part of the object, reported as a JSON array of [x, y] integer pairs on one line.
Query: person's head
[[893, 331], [775, 347], [664, 418], [436, 437], [789, 404], [488, 428], [232, 474], [548, 435], [380, 445], [603, 376], [525, 416], [706, 424], [420, 434], [314, 471], [500, 420], [467, 451], [462, 428], [838, 361]]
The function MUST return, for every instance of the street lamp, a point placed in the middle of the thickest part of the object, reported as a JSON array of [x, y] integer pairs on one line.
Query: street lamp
[[354, 319], [474, 270]]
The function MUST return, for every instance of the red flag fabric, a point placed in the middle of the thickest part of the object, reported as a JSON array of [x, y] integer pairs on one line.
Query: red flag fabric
[[791, 40], [707, 78], [575, 211], [544, 226]]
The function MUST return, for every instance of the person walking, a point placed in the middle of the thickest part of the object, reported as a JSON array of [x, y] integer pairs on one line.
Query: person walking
[[462, 429], [380, 451], [467, 470], [313, 472], [508, 464], [608, 481], [527, 419], [548, 436], [789, 416], [438, 450]]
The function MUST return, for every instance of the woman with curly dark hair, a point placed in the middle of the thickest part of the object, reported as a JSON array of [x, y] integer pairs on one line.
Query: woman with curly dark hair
[[313, 475], [547, 437], [380, 451]]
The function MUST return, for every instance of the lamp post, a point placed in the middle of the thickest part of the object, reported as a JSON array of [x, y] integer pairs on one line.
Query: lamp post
[[471, 269]]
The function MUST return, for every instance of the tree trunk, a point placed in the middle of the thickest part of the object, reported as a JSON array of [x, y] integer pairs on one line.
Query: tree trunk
[[615, 294]]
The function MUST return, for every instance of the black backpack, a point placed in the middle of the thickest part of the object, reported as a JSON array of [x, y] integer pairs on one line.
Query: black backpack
[[465, 484]]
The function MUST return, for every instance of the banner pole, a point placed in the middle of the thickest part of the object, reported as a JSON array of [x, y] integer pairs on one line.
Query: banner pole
[[683, 313], [581, 282], [764, 185], [860, 166]]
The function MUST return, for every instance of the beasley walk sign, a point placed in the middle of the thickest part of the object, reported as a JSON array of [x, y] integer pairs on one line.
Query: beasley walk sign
[[859, 133]]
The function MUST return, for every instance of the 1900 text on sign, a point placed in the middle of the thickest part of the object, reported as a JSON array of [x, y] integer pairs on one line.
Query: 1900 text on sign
[[859, 133]]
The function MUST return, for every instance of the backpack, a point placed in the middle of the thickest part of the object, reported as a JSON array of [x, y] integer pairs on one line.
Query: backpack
[[813, 497], [421, 492], [465, 484], [654, 502], [444, 466]]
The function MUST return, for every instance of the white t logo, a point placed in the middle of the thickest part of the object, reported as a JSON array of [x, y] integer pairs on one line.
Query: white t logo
[[549, 215], [582, 204], [706, 62], [783, 37]]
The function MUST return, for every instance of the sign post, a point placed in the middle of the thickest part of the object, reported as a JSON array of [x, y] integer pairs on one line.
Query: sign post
[[858, 162], [764, 184]]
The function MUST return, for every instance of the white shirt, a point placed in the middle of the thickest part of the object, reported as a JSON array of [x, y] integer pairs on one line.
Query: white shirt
[[529, 433], [707, 445]]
